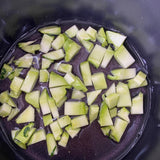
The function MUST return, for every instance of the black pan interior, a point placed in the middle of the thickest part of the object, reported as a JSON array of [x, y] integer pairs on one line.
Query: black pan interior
[[90, 143]]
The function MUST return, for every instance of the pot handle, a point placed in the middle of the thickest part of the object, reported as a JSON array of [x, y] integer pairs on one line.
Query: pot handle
[[155, 110]]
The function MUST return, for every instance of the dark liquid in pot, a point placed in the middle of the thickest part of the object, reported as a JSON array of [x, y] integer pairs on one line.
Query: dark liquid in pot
[[90, 143]]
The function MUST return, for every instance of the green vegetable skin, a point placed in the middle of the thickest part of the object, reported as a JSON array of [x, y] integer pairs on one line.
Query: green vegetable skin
[[117, 103]]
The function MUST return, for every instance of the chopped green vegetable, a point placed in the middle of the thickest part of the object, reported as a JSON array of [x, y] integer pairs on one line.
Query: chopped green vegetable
[[112, 89], [123, 113], [106, 130], [62, 67], [101, 37], [58, 42], [46, 63], [13, 113], [51, 30], [92, 33], [76, 94], [15, 73], [31, 48], [47, 119], [72, 31], [92, 95], [88, 45], [93, 112], [64, 121], [64, 139], [23, 44], [5, 110], [113, 112], [72, 132], [82, 35], [5, 71], [43, 75]]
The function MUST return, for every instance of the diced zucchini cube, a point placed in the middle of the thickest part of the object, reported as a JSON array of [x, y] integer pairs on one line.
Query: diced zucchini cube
[[71, 49], [104, 116], [70, 78], [54, 55], [137, 104], [123, 113], [53, 107], [72, 31], [82, 35], [31, 48], [113, 112], [116, 39], [46, 43], [124, 95], [38, 136], [87, 45], [64, 139], [55, 80], [93, 112], [61, 102], [86, 73], [44, 102], [13, 113], [92, 95], [51, 30], [118, 129], [72, 132], [75, 108], [56, 130], [92, 33], [62, 67], [23, 44], [76, 94], [112, 89], [79, 121], [33, 98], [101, 37], [112, 100], [96, 56], [99, 81], [47, 119], [64, 121], [43, 75], [58, 42], [15, 73], [123, 57], [24, 61], [28, 115], [106, 130], [46, 63], [5, 110], [5, 71], [51, 145], [30, 80]]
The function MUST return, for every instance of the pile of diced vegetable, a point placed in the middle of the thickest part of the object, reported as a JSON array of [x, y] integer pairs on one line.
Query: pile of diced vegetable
[[116, 102]]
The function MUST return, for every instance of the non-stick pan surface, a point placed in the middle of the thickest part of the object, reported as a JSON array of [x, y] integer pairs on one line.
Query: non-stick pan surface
[[90, 144]]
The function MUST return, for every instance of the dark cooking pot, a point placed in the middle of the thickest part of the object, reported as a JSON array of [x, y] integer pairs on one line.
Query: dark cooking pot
[[137, 19]]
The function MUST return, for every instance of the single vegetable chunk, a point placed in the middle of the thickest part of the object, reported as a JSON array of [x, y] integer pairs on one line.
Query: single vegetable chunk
[[58, 42], [76, 94], [99, 81], [75, 108], [104, 116], [46, 43], [47, 119], [38, 136], [87, 45], [118, 129], [43, 75], [96, 56], [44, 102], [79, 121], [72, 31], [124, 95], [55, 80], [28, 115], [5, 71], [5, 98], [116, 39], [5, 110], [23, 44], [15, 73], [101, 37], [113, 112], [107, 57], [137, 81], [72, 132], [106, 130], [123, 57], [64, 139], [86, 73], [137, 104], [112, 100], [112, 89], [71, 49], [56, 130], [46, 63], [70, 78], [82, 35], [92, 33], [62, 67], [30, 80], [25, 133], [24, 61], [33, 98], [93, 112], [91, 96], [31, 48], [13, 113], [51, 145], [122, 74], [54, 55], [51, 30], [64, 121], [123, 113]]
